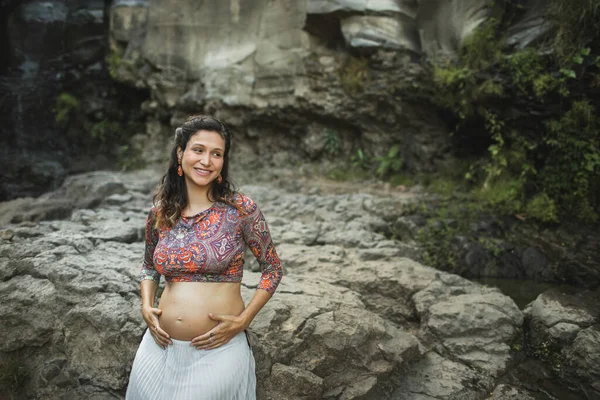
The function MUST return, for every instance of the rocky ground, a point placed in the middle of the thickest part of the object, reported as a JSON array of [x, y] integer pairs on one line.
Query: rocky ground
[[355, 317]]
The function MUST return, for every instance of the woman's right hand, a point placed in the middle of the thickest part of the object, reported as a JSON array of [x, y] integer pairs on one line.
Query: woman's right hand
[[151, 315]]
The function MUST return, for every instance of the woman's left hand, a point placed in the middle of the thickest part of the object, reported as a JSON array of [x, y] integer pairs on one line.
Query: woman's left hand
[[228, 326]]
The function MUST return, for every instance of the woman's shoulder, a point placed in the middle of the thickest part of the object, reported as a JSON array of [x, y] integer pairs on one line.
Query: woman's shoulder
[[244, 202], [153, 211]]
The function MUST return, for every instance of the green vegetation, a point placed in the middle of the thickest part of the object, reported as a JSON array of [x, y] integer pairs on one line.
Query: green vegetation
[[113, 137], [436, 242], [105, 131], [392, 162], [354, 74], [577, 22], [360, 160], [333, 143], [109, 136], [545, 166], [66, 104], [114, 61], [361, 165], [458, 85], [542, 208], [128, 158], [483, 49], [571, 174], [548, 351], [121, 68], [536, 109]]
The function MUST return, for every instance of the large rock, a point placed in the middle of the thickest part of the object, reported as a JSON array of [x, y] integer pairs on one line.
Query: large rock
[[367, 6], [564, 332], [456, 312], [583, 361], [436, 377], [531, 26], [385, 32], [559, 317], [85, 190]]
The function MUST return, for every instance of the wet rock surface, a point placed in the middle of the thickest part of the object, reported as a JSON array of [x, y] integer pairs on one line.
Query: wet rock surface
[[565, 330]]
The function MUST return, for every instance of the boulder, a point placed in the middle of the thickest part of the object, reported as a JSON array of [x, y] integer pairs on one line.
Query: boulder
[[382, 32], [564, 332]]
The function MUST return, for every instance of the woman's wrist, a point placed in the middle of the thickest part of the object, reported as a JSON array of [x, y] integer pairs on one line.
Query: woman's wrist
[[244, 321]]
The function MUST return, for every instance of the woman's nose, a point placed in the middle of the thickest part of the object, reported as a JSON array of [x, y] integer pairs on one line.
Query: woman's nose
[[205, 158]]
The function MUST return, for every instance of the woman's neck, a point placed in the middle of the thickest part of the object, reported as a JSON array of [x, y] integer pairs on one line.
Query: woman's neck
[[197, 199]]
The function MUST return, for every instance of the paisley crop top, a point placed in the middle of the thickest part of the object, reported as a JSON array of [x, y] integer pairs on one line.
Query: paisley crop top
[[209, 246]]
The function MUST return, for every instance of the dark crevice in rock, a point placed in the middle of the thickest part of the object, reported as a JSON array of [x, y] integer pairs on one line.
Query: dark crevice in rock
[[326, 27]]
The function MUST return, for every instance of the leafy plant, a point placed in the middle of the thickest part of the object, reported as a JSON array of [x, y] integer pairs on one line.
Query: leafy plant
[[571, 175], [360, 159], [525, 67], [66, 104], [105, 131], [484, 47], [333, 143], [542, 208], [577, 23], [391, 162], [503, 195], [114, 61]]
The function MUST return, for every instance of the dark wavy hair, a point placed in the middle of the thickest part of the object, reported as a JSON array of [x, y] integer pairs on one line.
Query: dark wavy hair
[[171, 195]]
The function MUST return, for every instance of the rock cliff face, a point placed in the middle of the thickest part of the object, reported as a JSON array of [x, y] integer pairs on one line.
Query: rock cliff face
[[53, 50], [295, 76], [298, 80]]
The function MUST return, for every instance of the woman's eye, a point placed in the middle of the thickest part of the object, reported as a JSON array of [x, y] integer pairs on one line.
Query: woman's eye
[[198, 150], [217, 154]]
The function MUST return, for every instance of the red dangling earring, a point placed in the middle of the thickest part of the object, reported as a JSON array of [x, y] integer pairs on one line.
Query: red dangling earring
[[219, 179], [179, 170]]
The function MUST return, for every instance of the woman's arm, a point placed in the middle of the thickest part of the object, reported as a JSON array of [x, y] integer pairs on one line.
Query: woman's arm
[[260, 298], [258, 238], [149, 279]]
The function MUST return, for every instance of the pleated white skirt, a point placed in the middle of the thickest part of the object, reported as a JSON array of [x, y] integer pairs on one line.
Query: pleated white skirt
[[180, 372]]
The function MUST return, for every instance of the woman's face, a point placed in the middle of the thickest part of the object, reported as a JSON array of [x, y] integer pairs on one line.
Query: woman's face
[[202, 159]]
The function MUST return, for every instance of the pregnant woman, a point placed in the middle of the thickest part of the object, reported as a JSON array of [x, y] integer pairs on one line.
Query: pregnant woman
[[196, 344]]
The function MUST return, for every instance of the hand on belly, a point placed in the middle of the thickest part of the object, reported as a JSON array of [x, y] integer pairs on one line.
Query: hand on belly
[[227, 327]]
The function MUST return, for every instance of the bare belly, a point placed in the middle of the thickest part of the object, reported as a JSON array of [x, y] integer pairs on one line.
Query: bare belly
[[185, 306]]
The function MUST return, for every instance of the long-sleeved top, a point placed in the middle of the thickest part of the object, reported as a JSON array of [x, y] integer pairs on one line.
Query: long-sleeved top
[[209, 246]]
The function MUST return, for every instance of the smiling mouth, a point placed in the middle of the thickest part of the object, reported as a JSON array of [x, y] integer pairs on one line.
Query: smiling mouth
[[202, 171]]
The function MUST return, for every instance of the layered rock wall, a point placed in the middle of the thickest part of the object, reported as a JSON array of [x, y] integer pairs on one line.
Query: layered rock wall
[[298, 80]]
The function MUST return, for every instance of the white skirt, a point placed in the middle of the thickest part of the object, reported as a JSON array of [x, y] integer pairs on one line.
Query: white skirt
[[180, 372]]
